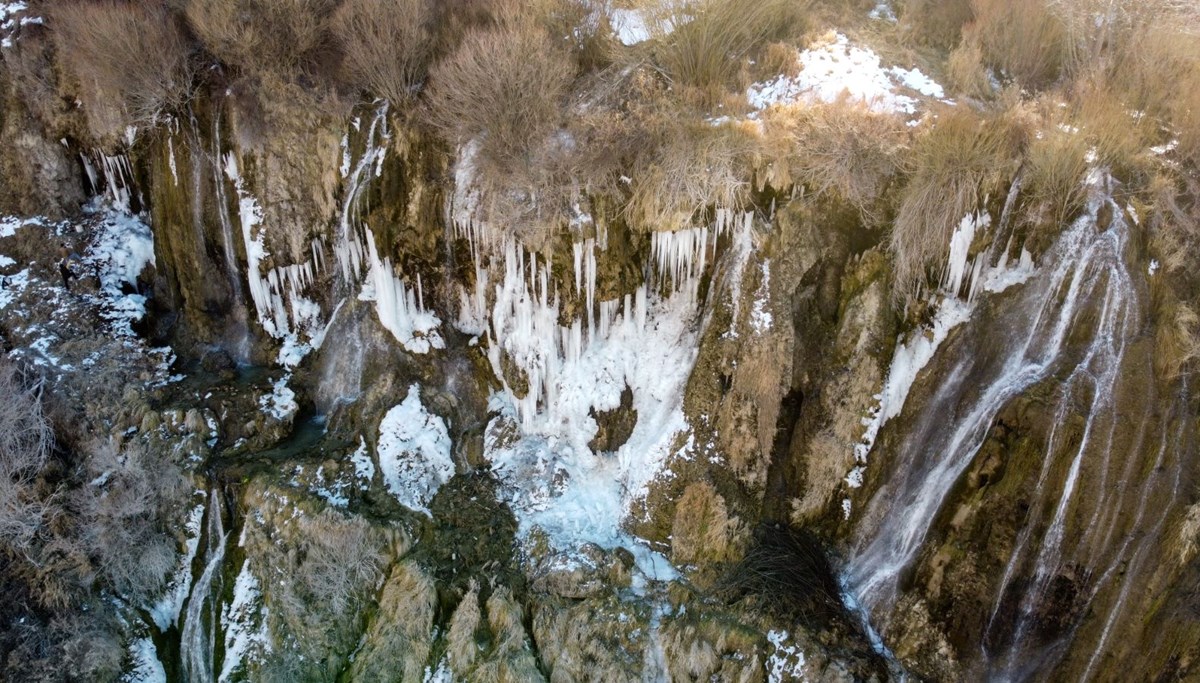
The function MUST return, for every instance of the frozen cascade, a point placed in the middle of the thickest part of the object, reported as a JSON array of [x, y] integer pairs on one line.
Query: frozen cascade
[[227, 247], [401, 309], [1085, 284], [279, 301], [118, 178], [200, 621]]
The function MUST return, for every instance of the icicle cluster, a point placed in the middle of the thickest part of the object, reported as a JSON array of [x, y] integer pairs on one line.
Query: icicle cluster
[[118, 177], [401, 309]]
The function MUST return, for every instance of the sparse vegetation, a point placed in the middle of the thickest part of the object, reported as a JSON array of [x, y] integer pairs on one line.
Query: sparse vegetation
[[72, 539], [132, 61]]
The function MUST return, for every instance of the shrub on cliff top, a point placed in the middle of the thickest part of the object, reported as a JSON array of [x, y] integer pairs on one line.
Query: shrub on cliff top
[[954, 166], [132, 61], [262, 36], [503, 86], [387, 45]]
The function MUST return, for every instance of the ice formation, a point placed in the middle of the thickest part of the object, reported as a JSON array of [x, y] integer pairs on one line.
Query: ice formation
[[414, 452]]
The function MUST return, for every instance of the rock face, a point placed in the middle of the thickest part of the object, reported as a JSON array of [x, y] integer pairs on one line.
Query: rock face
[[1001, 481]]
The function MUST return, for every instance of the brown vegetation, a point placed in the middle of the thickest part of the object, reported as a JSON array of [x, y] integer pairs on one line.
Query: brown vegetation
[[710, 39], [387, 45], [505, 87], [955, 164], [843, 149], [132, 61], [1021, 39], [262, 36]]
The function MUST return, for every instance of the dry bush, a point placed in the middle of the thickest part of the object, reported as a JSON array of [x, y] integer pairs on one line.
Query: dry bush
[[387, 45], [1022, 39], [710, 39], [132, 61], [504, 87], [262, 36], [341, 561], [954, 165], [692, 167], [25, 443], [841, 149], [935, 22], [124, 515]]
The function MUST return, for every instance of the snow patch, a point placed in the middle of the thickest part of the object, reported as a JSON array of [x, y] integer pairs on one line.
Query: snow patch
[[146, 666], [414, 452], [121, 249], [280, 404], [786, 662], [244, 620], [837, 69], [166, 611]]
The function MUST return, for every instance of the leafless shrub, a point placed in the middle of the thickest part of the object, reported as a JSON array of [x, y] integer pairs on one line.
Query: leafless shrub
[[504, 87], [260, 36], [341, 560], [954, 165], [132, 61], [123, 513], [387, 45], [25, 443]]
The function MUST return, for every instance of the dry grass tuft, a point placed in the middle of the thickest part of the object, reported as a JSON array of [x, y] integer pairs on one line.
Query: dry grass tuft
[[935, 22], [387, 45], [262, 36], [1177, 339], [693, 167], [132, 61], [955, 164], [1022, 39], [710, 39], [703, 531]]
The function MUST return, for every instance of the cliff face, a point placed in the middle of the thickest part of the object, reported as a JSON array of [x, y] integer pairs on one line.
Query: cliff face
[[425, 449]]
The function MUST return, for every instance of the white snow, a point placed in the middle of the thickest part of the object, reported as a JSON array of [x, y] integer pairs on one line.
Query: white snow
[[1001, 277], [837, 69], [786, 662], [11, 286], [631, 26], [122, 247], [166, 611], [146, 666], [401, 308], [5, 261], [414, 452], [245, 622], [760, 317], [364, 467], [1153, 267], [281, 402]]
